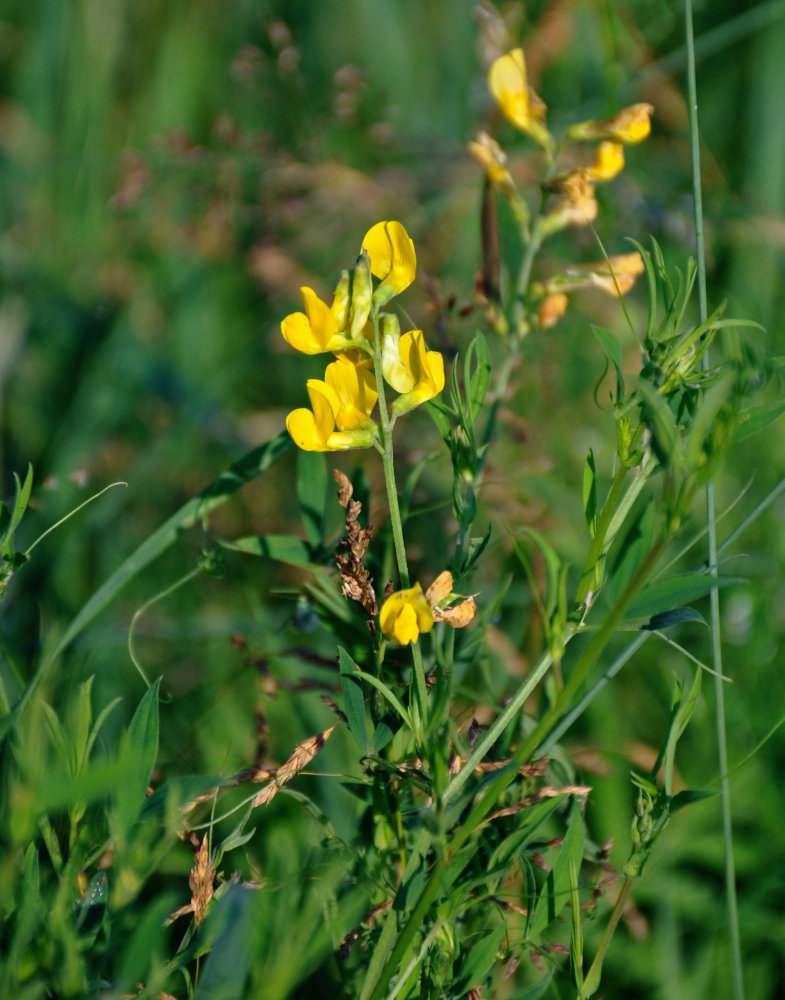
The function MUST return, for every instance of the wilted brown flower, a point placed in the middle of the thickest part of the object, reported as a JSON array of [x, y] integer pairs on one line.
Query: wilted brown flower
[[356, 581]]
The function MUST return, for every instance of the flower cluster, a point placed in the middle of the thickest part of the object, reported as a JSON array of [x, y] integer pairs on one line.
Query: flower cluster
[[574, 202], [407, 613], [342, 403]]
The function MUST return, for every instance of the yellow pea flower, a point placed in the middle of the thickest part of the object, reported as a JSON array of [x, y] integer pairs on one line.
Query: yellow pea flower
[[630, 125], [319, 328], [420, 375], [405, 614], [355, 388], [393, 259], [608, 162], [517, 101], [340, 414], [492, 158]]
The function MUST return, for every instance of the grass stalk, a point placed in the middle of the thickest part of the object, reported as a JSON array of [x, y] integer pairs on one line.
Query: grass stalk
[[719, 692]]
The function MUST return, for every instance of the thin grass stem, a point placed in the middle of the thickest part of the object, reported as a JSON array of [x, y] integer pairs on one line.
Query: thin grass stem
[[719, 692]]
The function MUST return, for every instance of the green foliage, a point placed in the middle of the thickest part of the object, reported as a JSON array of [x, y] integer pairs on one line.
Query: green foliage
[[300, 806]]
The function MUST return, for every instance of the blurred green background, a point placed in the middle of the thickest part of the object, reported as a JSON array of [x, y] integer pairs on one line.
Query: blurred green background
[[171, 173]]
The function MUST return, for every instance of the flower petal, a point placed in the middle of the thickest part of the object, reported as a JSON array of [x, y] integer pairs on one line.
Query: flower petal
[[355, 389], [296, 330], [393, 258], [325, 405], [507, 83], [405, 614], [302, 429], [608, 162]]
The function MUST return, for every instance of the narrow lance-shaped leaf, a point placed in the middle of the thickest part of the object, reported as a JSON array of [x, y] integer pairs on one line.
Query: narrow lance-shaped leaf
[[312, 484], [353, 700]]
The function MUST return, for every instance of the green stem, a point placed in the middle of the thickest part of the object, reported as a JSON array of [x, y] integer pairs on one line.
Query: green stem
[[719, 692], [592, 980], [395, 510]]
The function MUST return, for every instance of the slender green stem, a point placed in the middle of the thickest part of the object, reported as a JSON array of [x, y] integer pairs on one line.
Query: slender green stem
[[186, 578], [388, 463], [592, 979], [719, 692], [395, 510]]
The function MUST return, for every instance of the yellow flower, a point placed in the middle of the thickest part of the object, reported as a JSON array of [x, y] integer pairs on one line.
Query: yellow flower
[[340, 414], [517, 101], [393, 259], [405, 614], [551, 310], [578, 206], [416, 373], [319, 328], [492, 158], [630, 125], [355, 387], [608, 163]]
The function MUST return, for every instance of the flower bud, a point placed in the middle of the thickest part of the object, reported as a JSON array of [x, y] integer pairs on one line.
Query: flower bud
[[394, 370], [362, 294], [340, 306]]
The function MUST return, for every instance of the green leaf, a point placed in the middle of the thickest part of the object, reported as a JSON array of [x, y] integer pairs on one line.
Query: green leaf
[[651, 284], [477, 372], [195, 510], [553, 566], [590, 492], [353, 700], [632, 549], [612, 348], [755, 418], [230, 924], [688, 797], [21, 499], [675, 617], [391, 698], [479, 961], [143, 946], [676, 591], [535, 992], [9, 520], [91, 907], [312, 482], [282, 548], [556, 890], [440, 414], [658, 417], [138, 748]]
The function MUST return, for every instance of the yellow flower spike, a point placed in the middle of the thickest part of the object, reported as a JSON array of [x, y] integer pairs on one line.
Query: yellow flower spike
[[392, 257], [517, 101], [314, 331], [314, 430], [405, 614], [355, 390], [630, 125], [608, 163], [426, 368]]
